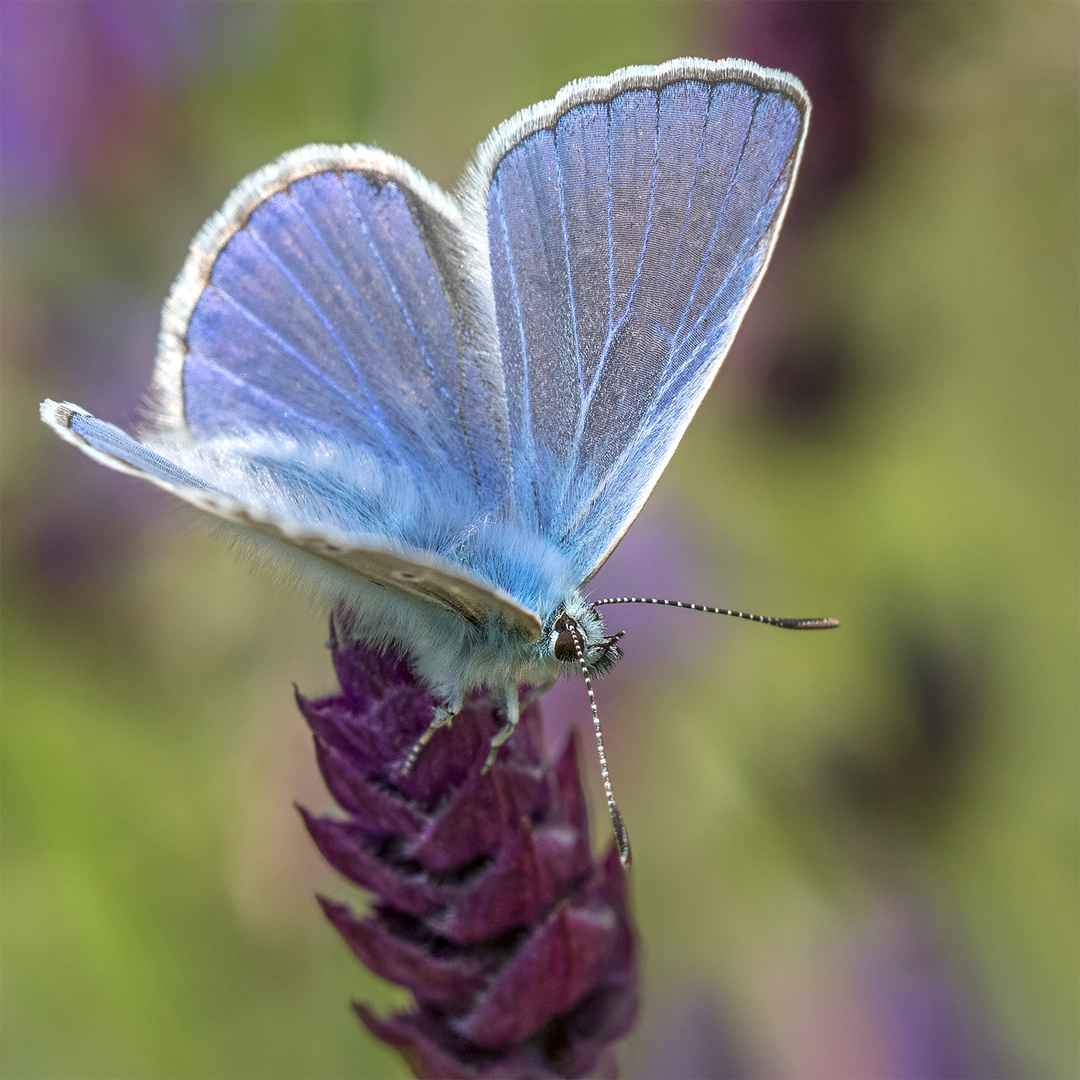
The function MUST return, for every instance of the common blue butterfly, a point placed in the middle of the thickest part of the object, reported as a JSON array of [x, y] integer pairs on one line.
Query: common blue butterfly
[[444, 411]]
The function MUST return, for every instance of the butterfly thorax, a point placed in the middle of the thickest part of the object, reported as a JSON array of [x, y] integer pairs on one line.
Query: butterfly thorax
[[538, 577]]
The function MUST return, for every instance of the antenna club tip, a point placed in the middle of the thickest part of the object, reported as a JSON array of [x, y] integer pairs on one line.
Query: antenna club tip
[[622, 837], [809, 624]]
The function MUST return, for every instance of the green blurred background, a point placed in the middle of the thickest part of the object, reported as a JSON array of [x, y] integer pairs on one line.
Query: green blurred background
[[855, 853]]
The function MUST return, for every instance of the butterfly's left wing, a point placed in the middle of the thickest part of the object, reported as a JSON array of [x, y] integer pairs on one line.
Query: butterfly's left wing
[[324, 302], [417, 574], [319, 380], [627, 224]]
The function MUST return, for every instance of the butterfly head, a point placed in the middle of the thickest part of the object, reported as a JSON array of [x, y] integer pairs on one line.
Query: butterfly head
[[577, 639]]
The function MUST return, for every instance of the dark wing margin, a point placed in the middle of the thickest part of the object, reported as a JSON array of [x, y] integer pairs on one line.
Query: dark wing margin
[[626, 224], [325, 299]]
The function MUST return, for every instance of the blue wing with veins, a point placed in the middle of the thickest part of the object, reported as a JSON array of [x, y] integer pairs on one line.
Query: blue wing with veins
[[628, 227], [328, 309]]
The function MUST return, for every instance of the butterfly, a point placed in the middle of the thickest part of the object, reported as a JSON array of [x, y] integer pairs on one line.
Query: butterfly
[[443, 411]]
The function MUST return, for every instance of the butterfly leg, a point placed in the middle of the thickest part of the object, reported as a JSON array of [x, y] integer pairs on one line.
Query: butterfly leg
[[537, 692], [512, 713], [443, 717]]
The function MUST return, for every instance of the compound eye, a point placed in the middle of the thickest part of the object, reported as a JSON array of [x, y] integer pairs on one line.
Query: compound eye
[[564, 646]]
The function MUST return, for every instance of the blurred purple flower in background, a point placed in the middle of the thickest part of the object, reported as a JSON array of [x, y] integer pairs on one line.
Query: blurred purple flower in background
[[487, 903], [78, 535], [800, 369], [75, 74], [832, 47], [692, 1038], [77, 84], [88, 92], [918, 1001], [887, 999]]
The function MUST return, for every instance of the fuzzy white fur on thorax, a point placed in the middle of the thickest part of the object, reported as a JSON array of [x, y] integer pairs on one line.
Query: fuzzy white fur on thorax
[[448, 653]]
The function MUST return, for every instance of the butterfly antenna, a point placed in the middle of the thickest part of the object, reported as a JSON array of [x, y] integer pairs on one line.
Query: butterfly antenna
[[787, 624], [622, 838]]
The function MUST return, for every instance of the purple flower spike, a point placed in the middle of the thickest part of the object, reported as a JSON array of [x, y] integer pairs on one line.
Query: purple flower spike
[[487, 902]]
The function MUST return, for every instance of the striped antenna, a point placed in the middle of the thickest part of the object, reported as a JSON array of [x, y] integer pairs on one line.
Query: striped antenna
[[769, 620], [622, 838]]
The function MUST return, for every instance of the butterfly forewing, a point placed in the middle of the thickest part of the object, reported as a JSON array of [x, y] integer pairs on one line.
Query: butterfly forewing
[[628, 225], [323, 312]]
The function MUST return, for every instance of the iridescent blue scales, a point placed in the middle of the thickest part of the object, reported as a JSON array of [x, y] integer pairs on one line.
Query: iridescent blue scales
[[444, 410]]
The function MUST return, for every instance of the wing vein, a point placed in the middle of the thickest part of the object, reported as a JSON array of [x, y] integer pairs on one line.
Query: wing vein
[[740, 258], [605, 352], [310, 303], [716, 229], [610, 193], [693, 182], [319, 374], [380, 263], [363, 304], [648, 217], [265, 395], [566, 259], [526, 399], [587, 399]]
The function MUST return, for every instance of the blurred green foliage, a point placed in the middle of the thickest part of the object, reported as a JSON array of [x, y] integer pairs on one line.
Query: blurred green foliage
[[793, 799]]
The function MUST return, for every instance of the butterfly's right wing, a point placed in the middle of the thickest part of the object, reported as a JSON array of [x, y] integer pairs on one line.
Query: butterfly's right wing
[[325, 301], [626, 224]]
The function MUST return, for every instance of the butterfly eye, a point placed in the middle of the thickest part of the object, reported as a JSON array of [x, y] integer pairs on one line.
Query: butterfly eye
[[564, 646]]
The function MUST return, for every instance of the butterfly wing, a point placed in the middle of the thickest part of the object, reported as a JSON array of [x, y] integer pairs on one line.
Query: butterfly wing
[[324, 303], [413, 573], [627, 225], [325, 297]]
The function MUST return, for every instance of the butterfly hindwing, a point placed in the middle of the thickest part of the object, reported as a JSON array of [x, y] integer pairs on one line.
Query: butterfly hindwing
[[416, 574], [321, 304], [628, 223]]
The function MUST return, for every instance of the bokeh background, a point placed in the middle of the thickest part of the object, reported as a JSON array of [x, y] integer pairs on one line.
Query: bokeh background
[[856, 854]]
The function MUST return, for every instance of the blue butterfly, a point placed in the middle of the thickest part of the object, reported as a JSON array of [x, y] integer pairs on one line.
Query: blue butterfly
[[444, 411]]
